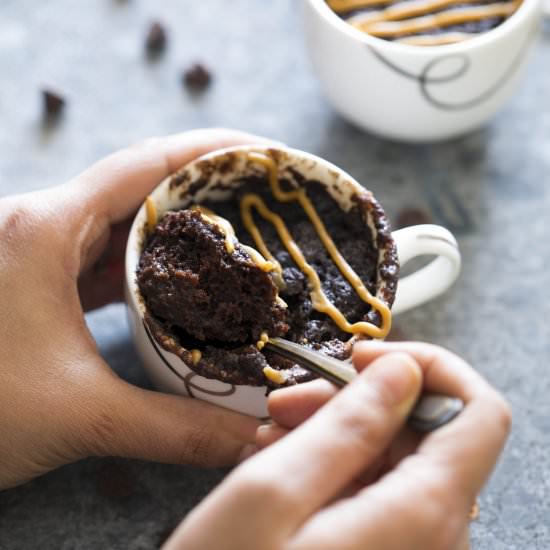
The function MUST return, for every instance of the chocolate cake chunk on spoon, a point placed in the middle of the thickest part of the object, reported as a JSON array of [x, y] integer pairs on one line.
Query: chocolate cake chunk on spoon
[[196, 276]]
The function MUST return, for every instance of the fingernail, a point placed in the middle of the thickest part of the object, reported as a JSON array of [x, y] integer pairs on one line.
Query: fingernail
[[263, 429], [247, 452], [401, 378]]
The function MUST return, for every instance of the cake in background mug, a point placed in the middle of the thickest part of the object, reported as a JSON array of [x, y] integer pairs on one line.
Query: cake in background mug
[[416, 92], [249, 241], [424, 22]]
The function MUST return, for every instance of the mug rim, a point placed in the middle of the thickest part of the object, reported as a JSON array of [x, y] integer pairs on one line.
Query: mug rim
[[386, 286], [330, 168], [517, 18]]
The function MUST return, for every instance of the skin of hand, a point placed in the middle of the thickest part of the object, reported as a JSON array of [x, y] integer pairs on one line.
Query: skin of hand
[[341, 469], [61, 253]]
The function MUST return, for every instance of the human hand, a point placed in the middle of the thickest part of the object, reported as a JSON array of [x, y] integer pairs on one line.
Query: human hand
[[348, 474], [61, 253]]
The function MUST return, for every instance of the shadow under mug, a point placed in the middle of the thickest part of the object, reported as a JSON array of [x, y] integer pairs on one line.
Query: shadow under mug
[[167, 370]]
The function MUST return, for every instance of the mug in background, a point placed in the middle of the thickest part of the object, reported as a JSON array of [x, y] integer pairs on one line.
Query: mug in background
[[167, 370], [417, 93]]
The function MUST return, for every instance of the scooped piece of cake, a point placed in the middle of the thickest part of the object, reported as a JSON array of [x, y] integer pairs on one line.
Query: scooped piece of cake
[[196, 277]]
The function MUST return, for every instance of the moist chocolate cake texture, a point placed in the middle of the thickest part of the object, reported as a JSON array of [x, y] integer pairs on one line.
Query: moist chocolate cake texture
[[200, 297], [191, 281]]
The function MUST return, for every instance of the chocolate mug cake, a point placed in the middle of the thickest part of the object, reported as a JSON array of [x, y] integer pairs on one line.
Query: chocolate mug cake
[[278, 257], [424, 22]]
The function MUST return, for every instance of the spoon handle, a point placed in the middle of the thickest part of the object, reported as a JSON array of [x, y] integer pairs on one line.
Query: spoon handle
[[430, 412]]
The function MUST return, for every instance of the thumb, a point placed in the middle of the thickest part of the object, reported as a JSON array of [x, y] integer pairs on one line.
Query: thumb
[[111, 190], [166, 428], [114, 187]]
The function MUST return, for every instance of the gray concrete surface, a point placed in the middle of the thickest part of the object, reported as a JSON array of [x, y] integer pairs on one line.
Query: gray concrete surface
[[491, 188]]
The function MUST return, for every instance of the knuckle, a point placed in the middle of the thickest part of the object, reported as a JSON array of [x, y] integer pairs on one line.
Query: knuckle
[[400, 357], [18, 222], [432, 352], [199, 448], [145, 145], [434, 349], [258, 486], [28, 221], [433, 355], [145, 151], [101, 434]]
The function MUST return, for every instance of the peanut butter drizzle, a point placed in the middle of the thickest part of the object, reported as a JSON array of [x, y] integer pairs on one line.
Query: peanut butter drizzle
[[222, 224], [262, 341], [274, 375], [151, 211], [320, 302], [196, 356], [343, 6], [386, 28], [406, 10], [230, 237]]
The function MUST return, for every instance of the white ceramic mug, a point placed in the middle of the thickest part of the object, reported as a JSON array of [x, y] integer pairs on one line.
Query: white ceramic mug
[[215, 176], [417, 93]]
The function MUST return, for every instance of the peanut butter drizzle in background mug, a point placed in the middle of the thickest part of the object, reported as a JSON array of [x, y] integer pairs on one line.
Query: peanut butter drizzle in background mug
[[319, 300], [410, 22]]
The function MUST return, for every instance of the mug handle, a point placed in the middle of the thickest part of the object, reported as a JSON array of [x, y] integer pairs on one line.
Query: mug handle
[[433, 279]]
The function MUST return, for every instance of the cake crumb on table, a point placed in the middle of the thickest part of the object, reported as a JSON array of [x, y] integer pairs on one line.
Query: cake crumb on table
[[197, 77]]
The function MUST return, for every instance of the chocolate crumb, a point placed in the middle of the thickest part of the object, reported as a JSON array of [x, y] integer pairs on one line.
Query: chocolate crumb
[[197, 77], [412, 216], [53, 103], [156, 40]]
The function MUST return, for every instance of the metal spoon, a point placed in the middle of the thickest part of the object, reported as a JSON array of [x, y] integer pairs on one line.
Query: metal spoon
[[430, 412]]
